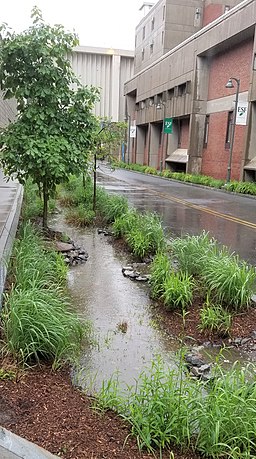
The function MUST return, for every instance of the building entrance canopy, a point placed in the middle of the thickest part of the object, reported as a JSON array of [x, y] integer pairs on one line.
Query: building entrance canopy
[[178, 156]]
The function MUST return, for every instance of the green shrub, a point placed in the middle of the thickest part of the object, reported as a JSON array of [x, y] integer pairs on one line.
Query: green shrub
[[151, 171], [178, 291]]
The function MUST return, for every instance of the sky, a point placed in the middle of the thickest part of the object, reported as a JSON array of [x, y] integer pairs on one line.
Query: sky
[[100, 23]]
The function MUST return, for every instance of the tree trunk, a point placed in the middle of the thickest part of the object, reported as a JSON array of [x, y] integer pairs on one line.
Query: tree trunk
[[45, 210]]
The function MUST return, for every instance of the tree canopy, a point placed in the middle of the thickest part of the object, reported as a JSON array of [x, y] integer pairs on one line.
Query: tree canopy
[[54, 130]]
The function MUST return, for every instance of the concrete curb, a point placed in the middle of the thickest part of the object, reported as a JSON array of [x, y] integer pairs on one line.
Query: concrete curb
[[7, 236], [14, 447]]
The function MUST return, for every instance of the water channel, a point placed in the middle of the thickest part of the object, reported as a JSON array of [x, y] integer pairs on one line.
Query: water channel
[[109, 300]]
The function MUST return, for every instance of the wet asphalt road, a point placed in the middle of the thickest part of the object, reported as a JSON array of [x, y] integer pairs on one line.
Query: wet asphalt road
[[189, 209]]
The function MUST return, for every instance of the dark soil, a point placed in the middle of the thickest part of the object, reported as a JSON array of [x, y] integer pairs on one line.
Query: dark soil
[[43, 407]]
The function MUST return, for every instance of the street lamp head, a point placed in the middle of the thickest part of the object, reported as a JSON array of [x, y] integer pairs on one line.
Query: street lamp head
[[229, 84]]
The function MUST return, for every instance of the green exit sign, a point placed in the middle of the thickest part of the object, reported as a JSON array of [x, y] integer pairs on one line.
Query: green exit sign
[[168, 125]]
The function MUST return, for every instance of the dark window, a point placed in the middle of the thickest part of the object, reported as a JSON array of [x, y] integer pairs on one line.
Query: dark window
[[182, 89], [170, 93], [142, 54], [206, 129], [162, 37], [143, 33], [151, 47], [229, 129], [152, 24]]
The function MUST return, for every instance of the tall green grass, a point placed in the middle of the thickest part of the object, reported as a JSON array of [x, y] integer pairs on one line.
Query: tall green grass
[[143, 232], [230, 280], [193, 252], [167, 408], [37, 323]]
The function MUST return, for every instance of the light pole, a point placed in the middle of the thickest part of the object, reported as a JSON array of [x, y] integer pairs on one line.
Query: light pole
[[160, 106], [128, 119], [230, 85]]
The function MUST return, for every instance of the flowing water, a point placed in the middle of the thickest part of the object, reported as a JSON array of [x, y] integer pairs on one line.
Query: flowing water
[[127, 335]]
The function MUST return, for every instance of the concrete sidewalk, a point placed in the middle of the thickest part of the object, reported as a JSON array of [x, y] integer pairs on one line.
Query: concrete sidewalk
[[11, 193]]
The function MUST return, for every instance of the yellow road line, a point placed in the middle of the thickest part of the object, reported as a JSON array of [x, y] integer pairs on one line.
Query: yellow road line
[[206, 210]]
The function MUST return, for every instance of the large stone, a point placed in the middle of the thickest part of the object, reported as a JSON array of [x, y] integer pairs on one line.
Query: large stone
[[63, 246]]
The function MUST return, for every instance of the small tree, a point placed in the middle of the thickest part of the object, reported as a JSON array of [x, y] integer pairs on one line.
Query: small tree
[[111, 137], [55, 129]]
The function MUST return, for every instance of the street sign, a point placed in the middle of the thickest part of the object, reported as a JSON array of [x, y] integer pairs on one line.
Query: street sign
[[241, 114], [168, 125], [133, 131]]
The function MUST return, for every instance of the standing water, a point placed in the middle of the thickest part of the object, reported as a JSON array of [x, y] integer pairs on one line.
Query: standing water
[[127, 336]]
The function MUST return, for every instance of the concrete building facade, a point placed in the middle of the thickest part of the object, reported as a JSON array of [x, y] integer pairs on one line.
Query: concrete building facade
[[107, 69], [188, 84]]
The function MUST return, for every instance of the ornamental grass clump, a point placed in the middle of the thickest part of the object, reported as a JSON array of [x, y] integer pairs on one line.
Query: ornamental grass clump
[[230, 280], [215, 319], [193, 252], [147, 236], [109, 206], [80, 216], [36, 320], [38, 326], [178, 291], [160, 270], [142, 232]]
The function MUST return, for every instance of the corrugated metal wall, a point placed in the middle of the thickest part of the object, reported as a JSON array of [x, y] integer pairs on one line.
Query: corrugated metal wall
[[107, 70]]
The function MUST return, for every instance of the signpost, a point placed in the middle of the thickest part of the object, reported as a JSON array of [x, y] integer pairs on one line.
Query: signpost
[[168, 126]]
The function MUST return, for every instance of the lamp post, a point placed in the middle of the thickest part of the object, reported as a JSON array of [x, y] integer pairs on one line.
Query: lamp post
[[230, 85], [159, 107]]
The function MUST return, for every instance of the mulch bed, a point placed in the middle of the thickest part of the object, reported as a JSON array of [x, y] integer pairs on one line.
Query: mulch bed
[[44, 407]]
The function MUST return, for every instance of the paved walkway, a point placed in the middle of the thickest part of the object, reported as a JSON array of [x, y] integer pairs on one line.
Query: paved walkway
[[11, 193]]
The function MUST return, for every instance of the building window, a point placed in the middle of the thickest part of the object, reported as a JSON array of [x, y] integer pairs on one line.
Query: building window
[[229, 129], [151, 47], [206, 129], [142, 54], [162, 37], [226, 9], [170, 94], [163, 12], [143, 33], [182, 89], [152, 24]]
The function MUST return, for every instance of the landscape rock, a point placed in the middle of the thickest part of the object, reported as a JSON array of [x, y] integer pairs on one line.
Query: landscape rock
[[63, 246]]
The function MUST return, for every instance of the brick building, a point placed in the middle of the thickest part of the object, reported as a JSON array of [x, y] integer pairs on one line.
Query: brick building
[[209, 41]]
